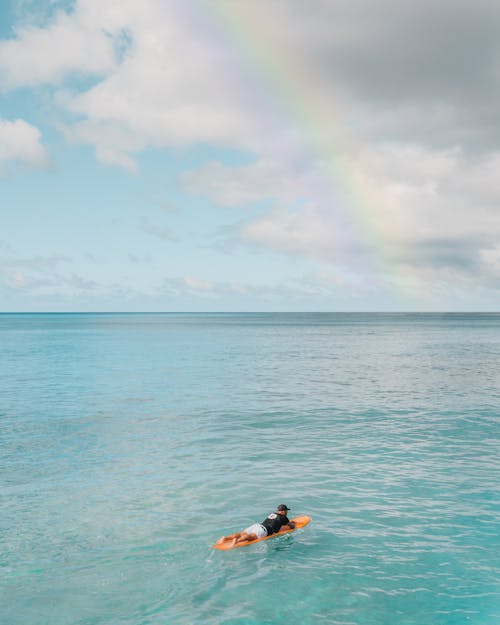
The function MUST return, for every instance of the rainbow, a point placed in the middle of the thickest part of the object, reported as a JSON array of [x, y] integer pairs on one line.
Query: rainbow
[[290, 90]]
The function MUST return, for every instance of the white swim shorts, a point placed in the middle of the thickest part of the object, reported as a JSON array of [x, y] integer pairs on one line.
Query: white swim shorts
[[258, 529]]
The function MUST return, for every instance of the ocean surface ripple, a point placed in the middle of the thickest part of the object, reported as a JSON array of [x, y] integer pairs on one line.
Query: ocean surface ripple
[[130, 443]]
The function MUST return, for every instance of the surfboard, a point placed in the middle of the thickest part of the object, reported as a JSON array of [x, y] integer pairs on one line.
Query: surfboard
[[300, 521]]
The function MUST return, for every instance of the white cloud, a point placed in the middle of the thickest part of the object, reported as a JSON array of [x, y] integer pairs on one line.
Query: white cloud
[[442, 192], [166, 78], [173, 75], [70, 43], [317, 286], [197, 285], [171, 87], [425, 211], [39, 276], [20, 141], [27, 274], [237, 186], [310, 232]]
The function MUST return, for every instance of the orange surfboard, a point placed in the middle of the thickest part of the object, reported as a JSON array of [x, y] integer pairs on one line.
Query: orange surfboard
[[300, 521]]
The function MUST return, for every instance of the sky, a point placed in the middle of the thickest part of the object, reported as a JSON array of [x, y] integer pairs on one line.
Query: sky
[[249, 155]]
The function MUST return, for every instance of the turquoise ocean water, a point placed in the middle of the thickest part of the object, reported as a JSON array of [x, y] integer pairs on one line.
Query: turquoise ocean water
[[130, 443]]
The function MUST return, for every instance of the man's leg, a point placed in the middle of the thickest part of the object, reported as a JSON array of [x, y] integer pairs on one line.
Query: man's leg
[[237, 538], [225, 539], [245, 538]]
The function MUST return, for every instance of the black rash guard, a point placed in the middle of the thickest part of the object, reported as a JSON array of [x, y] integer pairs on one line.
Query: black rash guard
[[274, 522]]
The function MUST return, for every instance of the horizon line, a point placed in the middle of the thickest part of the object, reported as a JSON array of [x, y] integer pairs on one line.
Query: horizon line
[[250, 312]]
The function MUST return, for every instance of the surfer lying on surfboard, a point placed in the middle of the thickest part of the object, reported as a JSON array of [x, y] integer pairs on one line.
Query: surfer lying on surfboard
[[272, 524]]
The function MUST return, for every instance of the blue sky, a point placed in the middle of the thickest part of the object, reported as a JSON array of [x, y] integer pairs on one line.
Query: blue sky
[[248, 156]]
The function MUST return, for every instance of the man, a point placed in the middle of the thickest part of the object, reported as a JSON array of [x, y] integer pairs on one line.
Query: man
[[274, 523]]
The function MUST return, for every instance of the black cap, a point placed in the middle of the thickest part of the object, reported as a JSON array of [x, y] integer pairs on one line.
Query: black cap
[[282, 507]]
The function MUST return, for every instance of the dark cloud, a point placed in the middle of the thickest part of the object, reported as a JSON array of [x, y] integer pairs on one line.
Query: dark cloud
[[460, 254], [432, 65]]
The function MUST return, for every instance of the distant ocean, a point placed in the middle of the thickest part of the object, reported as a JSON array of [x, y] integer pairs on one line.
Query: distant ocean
[[130, 442]]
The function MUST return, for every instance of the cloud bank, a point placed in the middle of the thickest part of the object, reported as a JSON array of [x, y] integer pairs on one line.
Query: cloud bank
[[369, 130]]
